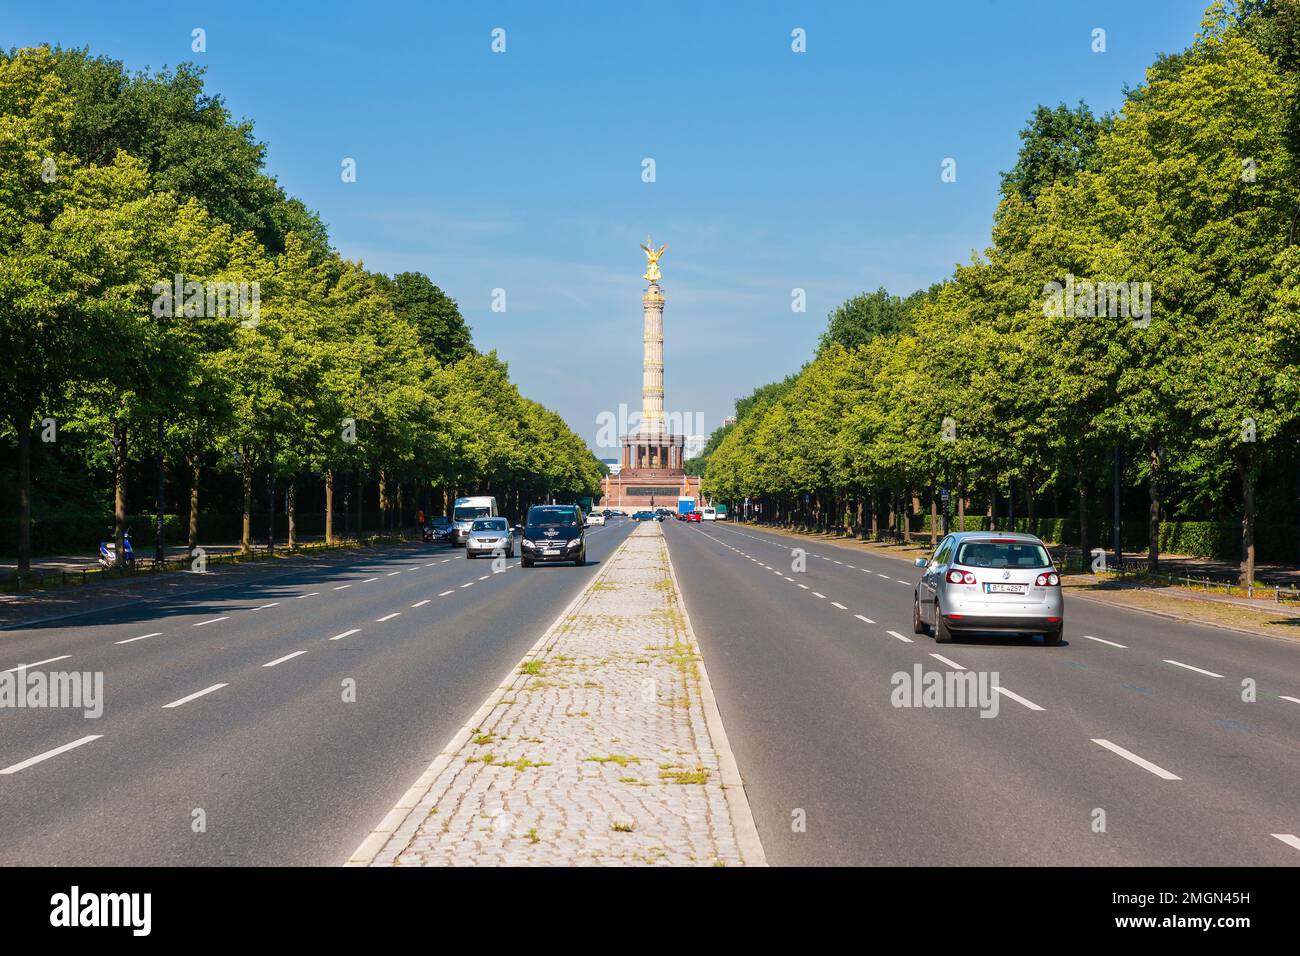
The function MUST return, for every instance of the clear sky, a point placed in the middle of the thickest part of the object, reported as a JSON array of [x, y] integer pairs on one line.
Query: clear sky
[[522, 170]]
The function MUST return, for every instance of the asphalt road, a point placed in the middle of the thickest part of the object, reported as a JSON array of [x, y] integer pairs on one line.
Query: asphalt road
[[802, 667], [232, 703]]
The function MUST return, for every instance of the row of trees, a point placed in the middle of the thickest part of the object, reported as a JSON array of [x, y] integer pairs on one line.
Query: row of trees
[[1031, 365], [162, 298]]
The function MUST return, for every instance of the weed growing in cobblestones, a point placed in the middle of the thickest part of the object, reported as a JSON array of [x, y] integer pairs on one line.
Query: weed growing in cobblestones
[[482, 739], [621, 759], [533, 837], [684, 777], [532, 668]]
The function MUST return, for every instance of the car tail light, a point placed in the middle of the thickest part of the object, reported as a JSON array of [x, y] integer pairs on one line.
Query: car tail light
[[960, 577], [1051, 579]]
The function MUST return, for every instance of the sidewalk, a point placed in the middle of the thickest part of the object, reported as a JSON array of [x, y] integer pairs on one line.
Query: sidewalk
[[602, 747]]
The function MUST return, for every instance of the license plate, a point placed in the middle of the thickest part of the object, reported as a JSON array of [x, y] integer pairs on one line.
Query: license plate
[[551, 552], [997, 588]]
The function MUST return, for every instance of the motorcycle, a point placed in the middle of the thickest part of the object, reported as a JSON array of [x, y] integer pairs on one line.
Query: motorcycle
[[108, 552]]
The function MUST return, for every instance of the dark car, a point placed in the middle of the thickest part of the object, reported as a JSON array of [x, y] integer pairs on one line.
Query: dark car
[[643, 516], [553, 533], [440, 530]]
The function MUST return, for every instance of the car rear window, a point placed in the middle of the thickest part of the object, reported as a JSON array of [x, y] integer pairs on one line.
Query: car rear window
[[1003, 554], [490, 524]]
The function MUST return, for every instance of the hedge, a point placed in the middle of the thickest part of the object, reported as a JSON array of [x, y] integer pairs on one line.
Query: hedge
[[78, 533], [1201, 539]]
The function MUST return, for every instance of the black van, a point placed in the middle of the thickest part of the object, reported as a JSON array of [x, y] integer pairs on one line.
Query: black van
[[553, 533]]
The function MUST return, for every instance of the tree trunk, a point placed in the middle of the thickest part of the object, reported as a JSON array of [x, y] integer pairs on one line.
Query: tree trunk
[[291, 510], [160, 543], [383, 501], [934, 517], [1246, 473], [991, 513], [246, 539], [193, 539], [1084, 541], [961, 503], [119, 491], [24, 492], [329, 505], [1153, 512]]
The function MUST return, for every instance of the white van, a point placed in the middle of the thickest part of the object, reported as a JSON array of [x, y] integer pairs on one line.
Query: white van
[[466, 510], [708, 514]]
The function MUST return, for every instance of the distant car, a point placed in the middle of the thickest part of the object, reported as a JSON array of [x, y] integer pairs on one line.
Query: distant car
[[440, 530], [643, 516], [488, 536], [708, 514], [985, 582], [595, 518], [553, 533], [608, 513], [694, 516]]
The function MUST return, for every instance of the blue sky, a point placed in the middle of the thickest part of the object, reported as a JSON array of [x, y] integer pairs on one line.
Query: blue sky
[[522, 170]]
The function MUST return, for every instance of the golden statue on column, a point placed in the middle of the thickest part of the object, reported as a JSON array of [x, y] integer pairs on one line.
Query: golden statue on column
[[652, 273]]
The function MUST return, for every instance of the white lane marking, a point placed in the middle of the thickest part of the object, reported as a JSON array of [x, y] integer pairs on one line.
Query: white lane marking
[[1017, 698], [420, 603], [943, 660], [281, 660], [310, 594], [194, 696], [1142, 762], [444, 560], [901, 581], [213, 620], [820, 595], [445, 593], [265, 606], [839, 562], [851, 567], [343, 587], [48, 660], [864, 620], [885, 576], [468, 584], [787, 577], [130, 640], [839, 605], [1290, 839], [484, 577], [368, 580], [339, 637], [391, 573], [1294, 700], [804, 586], [30, 761], [1100, 640], [387, 617], [1191, 668], [905, 639], [431, 564]]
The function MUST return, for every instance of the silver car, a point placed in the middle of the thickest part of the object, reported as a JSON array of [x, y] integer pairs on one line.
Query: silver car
[[487, 536], [988, 582]]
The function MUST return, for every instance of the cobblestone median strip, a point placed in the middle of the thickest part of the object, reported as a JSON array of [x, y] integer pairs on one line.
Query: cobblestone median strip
[[604, 746]]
